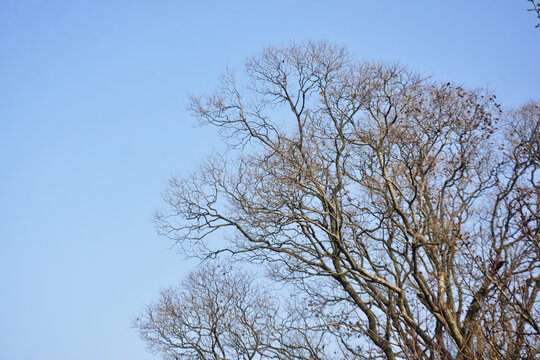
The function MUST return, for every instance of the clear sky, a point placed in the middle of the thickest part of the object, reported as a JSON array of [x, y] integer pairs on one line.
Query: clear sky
[[93, 122]]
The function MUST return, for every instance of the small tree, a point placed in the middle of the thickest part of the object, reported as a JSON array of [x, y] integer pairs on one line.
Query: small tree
[[404, 209], [221, 313]]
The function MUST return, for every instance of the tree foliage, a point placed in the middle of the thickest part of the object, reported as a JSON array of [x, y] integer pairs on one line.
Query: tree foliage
[[404, 210]]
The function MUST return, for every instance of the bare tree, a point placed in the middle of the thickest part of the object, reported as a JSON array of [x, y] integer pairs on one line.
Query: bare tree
[[220, 313], [404, 209]]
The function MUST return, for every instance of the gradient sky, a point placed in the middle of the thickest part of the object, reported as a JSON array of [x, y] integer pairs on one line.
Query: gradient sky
[[93, 122]]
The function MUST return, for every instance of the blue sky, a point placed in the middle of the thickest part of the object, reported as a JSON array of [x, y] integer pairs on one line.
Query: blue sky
[[93, 122]]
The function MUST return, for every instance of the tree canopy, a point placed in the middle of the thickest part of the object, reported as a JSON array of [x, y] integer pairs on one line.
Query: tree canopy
[[403, 210]]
